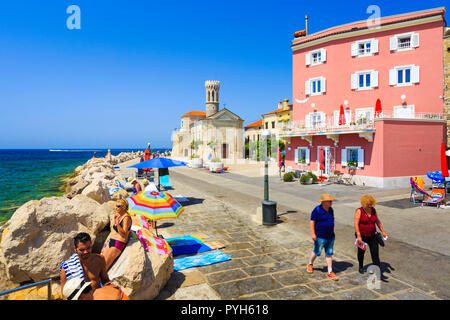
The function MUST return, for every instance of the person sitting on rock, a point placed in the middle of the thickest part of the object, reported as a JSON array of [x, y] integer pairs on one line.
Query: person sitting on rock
[[136, 186], [84, 264], [120, 233], [78, 289]]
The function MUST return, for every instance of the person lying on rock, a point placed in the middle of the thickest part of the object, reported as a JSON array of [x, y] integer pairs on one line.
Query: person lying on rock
[[78, 289], [84, 264], [120, 233]]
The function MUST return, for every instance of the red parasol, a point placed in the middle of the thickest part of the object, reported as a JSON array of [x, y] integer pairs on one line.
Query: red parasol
[[378, 108], [341, 116], [321, 159], [444, 166]]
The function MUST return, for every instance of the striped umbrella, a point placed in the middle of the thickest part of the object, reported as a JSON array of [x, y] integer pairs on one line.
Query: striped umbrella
[[154, 205]]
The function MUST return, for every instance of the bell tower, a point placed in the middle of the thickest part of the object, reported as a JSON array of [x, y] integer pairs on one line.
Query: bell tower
[[212, 97]]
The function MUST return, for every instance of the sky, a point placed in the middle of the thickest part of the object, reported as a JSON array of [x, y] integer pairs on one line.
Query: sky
[[125, 77]]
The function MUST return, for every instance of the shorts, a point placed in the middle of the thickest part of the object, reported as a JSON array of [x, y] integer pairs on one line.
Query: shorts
[[321, 243]]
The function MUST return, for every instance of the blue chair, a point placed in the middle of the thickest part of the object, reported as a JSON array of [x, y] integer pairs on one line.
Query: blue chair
[[164, 181]]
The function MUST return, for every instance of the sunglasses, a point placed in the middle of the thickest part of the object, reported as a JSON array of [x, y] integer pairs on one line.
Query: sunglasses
[[119, 206]]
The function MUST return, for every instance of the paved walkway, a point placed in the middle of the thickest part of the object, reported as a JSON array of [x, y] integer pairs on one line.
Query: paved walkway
[[270, 262]]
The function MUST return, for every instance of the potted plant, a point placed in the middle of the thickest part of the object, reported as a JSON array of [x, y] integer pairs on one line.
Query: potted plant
[[197, 162], [288, 176], [303, 161], [308, 178], [215, 164], [351, 164]]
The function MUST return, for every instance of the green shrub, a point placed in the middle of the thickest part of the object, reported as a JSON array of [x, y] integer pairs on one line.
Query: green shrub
[[313, 176], [216, 160], [304, 178], [288, 177]]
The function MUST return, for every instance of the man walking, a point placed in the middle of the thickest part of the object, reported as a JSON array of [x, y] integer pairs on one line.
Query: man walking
[[322, 233]]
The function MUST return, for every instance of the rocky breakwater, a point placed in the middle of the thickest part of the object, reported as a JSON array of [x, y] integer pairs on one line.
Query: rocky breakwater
[[39, 236]]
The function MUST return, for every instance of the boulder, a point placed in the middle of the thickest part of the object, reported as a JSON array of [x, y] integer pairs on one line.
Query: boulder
[[39, 235], [141, 274], [98, 191], [120, 194], [73, 190]]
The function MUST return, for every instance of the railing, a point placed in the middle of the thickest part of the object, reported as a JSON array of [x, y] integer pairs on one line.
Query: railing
[[49, 288], [355, 123]]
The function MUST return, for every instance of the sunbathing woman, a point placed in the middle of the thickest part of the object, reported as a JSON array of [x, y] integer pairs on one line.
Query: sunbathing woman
[[119, 234]]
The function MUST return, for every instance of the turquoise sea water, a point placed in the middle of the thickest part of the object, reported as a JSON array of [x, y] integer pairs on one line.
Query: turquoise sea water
[[33, 174]]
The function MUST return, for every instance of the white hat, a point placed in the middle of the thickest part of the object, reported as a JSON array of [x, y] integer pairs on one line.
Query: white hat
[[130, 179], [74, 288]]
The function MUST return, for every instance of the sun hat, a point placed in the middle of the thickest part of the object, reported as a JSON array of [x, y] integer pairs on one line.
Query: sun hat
[[145, 181], [74, 287], [130, 179], [133, 181], [326, 197]]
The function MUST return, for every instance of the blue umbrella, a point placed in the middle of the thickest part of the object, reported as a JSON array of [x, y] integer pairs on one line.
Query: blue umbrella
[[158, 163]]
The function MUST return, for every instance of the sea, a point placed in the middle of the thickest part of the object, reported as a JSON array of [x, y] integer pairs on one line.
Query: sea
[[36, 173]]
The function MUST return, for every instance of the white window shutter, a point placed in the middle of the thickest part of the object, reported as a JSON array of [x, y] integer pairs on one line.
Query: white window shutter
[[322, 85], [336, 118], [348, 115], [415, 74], [344, 157], [354, 81], [360, 158], [393, 43], [323, 55], [354, 49], [308, 121], [307, 87], [415, 40], [323, 119], [392, 77], [308, 58], [374, 79], [374, 46], [296, 154]]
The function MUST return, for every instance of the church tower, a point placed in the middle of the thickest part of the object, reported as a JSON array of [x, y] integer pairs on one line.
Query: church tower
[[212, 97]]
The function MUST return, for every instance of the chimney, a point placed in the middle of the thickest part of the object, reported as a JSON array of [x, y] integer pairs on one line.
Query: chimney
[[285, 104], [280, 105], [306, 24]]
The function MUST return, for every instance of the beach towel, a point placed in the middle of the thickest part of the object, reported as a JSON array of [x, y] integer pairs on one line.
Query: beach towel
[[187, 245], [140, 229], [72, 268], [112, 190], [200, 260]]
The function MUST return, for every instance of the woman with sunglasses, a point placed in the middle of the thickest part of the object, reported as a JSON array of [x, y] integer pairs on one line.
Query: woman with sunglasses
[[120, 233]]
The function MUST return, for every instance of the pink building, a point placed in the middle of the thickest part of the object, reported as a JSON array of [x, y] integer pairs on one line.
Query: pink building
[[399, 62]]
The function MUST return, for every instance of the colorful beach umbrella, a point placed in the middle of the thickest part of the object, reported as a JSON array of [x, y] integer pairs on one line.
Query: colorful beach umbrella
[[341, 116], [154, 205], [444, 166], [378, 109]]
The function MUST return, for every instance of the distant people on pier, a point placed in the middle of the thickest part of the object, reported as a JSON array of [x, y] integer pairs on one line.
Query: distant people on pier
[[120, 233], [366, 220], [322, 233]]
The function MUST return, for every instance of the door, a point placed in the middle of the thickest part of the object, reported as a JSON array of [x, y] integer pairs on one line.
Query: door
[[328, 159], [224, 151]]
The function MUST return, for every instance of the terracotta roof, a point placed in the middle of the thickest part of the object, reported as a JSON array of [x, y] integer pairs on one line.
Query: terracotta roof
[[254, 124], [194, 113], [360, 25], [279, 110]]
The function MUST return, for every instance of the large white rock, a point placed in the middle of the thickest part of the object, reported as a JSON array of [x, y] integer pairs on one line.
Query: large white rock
[[141, 274], [39, 235], [98, 191]]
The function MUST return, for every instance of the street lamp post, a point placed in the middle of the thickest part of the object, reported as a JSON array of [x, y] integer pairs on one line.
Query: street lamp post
[[269, 208]]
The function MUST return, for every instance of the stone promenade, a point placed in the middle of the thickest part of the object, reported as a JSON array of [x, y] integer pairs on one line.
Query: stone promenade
[[269, 262]]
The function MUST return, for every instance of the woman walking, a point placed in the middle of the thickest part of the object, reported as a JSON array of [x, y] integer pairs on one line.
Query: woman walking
[[365, 220]]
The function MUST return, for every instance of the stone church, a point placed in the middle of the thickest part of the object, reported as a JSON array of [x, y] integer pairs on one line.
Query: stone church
[[209, 134]]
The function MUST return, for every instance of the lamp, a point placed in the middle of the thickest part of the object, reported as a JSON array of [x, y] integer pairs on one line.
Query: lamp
[[313, 105], [346, 103], [403, 97]]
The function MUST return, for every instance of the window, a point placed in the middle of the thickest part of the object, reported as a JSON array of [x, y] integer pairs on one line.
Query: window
[[348, 116], [364, 116], [364, 80], [316, 57], [405, 41], [404, 76], [364, 48], [352, 157], [267, 125], [273, 124], [302, 155], [315, 86], [315, 120], [280, 124]]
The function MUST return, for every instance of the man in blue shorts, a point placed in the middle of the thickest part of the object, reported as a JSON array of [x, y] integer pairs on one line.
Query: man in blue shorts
[[322, 233]]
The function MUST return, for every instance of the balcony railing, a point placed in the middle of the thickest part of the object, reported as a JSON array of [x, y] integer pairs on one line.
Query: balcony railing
[[356, 123]]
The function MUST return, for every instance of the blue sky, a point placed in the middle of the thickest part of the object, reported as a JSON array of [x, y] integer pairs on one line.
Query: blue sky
[[134, 67]]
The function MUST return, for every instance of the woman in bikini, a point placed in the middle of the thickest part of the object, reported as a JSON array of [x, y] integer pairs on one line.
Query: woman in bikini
[[119, 234]]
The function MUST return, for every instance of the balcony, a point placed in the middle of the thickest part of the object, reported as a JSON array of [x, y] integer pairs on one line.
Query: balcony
[[364, 126]]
